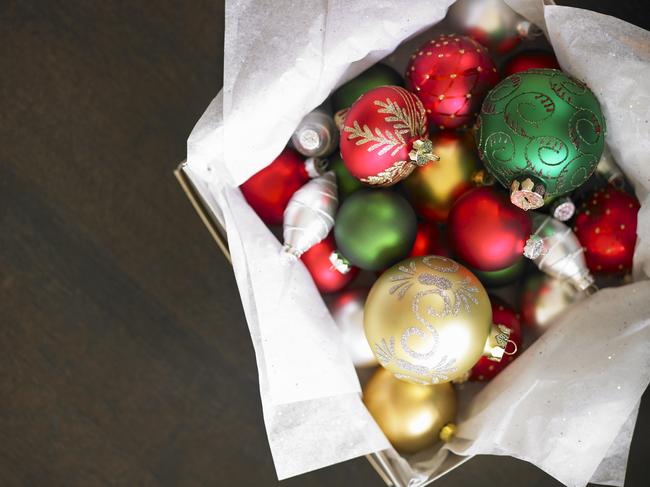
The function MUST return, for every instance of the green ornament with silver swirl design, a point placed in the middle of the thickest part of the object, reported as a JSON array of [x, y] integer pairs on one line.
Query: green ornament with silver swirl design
[[541, 134]]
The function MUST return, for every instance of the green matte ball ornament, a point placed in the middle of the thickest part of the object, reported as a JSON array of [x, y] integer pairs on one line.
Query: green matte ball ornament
[[377, 75], [541, 134], [375, 228], [346, 182]]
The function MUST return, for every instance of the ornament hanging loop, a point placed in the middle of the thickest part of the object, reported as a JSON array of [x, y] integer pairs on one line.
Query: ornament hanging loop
[[513, 352], [422, 152]]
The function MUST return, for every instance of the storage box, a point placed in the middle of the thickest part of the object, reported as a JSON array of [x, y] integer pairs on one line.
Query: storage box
[[606, 438]]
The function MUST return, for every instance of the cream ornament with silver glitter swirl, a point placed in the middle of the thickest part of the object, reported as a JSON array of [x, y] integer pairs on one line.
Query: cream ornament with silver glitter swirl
[[309, 216], [491, 22], [556, 251], [316, 135]]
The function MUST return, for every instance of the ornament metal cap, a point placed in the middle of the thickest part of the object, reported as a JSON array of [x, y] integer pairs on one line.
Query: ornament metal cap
[[422, 152], [534, 247], [340, 263], [563, 209], [526, 194], [309, 139], [316, 166], [497, 343], [447, 432]]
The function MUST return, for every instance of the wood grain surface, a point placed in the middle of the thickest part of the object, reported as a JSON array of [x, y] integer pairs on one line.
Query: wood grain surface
[[124, 353]]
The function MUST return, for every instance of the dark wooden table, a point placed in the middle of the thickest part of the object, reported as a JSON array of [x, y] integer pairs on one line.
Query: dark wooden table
[[124, 353]]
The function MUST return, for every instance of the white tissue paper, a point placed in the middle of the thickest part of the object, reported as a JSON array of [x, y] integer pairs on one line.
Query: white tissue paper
[[568, 404]]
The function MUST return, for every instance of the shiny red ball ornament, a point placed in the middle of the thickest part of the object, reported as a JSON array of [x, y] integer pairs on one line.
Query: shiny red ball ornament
[[533, 59], [451, 75], [385, 136], [429, 240], [486, 231], [269, 190], [606, 227], [486, 369], [326, 277]]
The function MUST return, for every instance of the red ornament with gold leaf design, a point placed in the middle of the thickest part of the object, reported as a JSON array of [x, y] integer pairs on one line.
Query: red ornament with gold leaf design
[[606, 227], [486, 369], [384, 136], [451, 75]]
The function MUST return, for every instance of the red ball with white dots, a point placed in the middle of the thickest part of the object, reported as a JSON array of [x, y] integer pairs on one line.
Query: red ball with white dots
[[451, 75], [486, 369], [606, 228]]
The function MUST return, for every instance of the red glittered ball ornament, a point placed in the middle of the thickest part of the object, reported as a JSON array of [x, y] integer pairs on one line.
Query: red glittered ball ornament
[[486, 231], [451, 75], [269, 190], [325, 275], [486, 369], [533, 59], [606, 228], [385, 136], [429, 240]]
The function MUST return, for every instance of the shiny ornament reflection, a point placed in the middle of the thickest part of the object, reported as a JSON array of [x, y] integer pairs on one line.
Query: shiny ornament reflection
[[413, 417], [347, 311]]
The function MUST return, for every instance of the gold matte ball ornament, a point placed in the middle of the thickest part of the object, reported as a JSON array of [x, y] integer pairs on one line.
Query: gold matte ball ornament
[[433, 189], [428, 320], [413, 417]]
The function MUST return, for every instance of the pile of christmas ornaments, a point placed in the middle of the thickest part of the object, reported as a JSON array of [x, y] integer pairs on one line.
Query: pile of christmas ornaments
[[418, 193]]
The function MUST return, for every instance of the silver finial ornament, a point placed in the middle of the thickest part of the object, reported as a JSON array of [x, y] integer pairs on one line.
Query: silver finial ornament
[[316, 135], [556, 251], [309, 216]]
